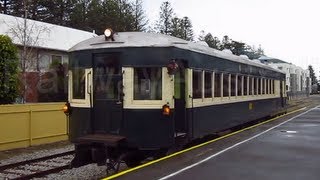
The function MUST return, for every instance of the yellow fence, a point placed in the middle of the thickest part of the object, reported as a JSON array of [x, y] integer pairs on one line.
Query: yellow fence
[[24, 125]]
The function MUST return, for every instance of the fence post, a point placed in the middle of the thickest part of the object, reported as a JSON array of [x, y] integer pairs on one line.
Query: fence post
[[30, 127]]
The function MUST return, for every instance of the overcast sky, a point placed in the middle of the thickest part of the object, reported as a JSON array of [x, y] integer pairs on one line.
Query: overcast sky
[[286, 29]]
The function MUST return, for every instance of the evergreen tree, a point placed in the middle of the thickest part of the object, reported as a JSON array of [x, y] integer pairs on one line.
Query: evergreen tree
[[78, 17], [5, 6], [56, 11], [238, 48], [164, 24], [32, 8], [226, 43], [176, 29], [9, 71], [260, 51], [119, 15], [312, 75], [212, 42], [186, 29], [140, 19], [95, 20]]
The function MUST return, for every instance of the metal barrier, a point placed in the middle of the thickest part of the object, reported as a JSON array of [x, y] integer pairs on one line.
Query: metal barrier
[[24, 125]]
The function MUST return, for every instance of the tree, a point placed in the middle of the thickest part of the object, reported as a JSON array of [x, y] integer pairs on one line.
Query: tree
[[212, 42], [312, 75], [164, 24], [5, 6], [226, 43], [94, 19], [9, 71], [186, 29], [29, 35], [176, 30], [238, 48], [78, 17], [54, 11], [140, 19]]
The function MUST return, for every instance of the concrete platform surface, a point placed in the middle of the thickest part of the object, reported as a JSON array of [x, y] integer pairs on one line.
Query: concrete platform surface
[[289, 149]]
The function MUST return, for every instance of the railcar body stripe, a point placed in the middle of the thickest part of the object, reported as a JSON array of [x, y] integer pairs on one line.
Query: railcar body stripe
[[205, 143]]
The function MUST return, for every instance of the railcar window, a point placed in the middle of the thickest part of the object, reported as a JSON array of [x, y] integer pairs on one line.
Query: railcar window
[[251, 82], [197, 84], [217, 85], [245, 85], [263, 86], [255, 86], [267, 86], [225, 85], [240, 85], [147, 84], [106, 79], [270, 86], [259, 85], [233, 87], [208, 84], [78, 83]]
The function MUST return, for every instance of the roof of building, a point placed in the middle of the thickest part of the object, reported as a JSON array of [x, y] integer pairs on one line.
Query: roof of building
[[143, 39], [267, 59], [40, 34]]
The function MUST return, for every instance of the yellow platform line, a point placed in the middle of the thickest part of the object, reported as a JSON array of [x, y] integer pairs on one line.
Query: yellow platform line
[[197, 146]]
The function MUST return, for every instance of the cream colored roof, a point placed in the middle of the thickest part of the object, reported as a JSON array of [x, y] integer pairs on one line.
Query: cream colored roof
[[143, 39]]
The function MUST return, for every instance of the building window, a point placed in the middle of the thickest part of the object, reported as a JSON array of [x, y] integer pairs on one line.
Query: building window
[[208, 84], [197, 84], [147, 84], [217, 85], [225, 85], [78, 83], [56, 60]]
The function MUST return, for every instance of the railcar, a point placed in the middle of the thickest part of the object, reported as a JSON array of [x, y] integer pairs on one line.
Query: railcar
[[135, 94]]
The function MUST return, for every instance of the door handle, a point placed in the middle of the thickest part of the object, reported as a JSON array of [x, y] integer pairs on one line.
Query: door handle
[[118, 102]]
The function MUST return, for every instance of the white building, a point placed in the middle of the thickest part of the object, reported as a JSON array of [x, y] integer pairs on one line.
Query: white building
[[47, 43], [297, 79]]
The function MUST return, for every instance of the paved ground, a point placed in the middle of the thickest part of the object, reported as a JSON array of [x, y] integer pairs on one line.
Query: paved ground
[[287, 148]]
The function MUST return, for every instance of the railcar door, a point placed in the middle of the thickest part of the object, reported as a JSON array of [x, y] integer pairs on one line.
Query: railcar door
[[179, 101], [107, 96]]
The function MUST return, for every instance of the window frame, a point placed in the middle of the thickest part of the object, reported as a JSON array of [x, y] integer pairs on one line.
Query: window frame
[[88, 89], [150, 85]]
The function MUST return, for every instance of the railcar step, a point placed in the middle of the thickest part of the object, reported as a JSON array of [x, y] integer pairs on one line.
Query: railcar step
[[107, 139]]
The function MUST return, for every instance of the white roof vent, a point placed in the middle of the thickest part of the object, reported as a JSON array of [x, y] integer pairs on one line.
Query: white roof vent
[[244, 56], [203, 43], [227, 51], [257, 61]]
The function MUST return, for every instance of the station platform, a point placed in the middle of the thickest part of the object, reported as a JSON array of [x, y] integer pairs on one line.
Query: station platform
[[286, 149]]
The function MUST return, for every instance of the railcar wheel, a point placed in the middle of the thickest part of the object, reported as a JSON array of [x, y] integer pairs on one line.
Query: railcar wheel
[[133, 159]]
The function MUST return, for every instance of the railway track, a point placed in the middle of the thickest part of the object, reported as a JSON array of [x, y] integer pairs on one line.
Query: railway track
[[38, 167]]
